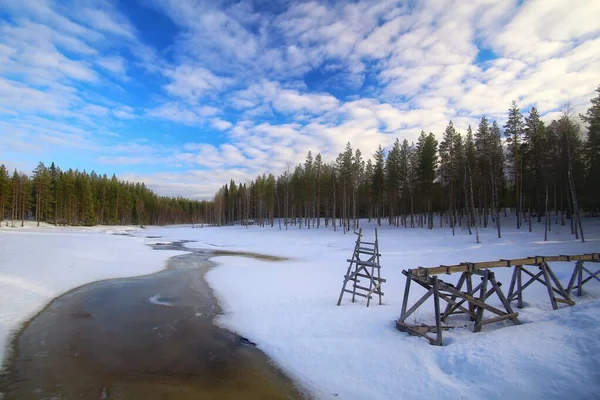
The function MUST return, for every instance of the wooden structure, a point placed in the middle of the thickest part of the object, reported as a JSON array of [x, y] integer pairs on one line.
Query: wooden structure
[[472, 301], [578, 275], [363, 264]]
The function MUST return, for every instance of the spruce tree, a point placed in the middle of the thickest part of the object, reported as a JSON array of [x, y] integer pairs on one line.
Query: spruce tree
[[4, 191], [513, 130], [379, 182], [392, 175], [592, 153]]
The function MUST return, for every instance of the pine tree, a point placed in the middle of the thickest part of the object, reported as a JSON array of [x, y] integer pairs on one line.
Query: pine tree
[[404, 173], [4, 191], [42, 186], [309, 205], [318, 170], [470, 159], [87, 202], [513, 130], [426, 171], [358, 171], [534, 161], [379, 182], [16, 192], [496, 171], [448, 172], [592, 174], [392, 174]]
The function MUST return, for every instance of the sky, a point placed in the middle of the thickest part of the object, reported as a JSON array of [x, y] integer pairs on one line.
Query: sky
[[186, 95]]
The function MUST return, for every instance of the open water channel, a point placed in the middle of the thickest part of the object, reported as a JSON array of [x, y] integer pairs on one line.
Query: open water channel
[[148, 337]]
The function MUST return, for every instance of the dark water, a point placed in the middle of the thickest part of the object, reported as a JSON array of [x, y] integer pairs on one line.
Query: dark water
[[148, 337]]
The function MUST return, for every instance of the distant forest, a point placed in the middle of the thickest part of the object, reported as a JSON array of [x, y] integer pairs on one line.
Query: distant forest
[[540, 171], [78, 198], [469, 179]]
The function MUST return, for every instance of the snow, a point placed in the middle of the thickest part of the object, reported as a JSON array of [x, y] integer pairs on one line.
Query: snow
[[39, 264], [354, 352]]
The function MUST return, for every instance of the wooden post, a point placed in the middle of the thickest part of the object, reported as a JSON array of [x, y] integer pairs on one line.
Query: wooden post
[[356, 255], [548, 285], [406, 291], [469, 279], [519, 287], [378, 254], [436, 307], [580, 279], [482, 297]]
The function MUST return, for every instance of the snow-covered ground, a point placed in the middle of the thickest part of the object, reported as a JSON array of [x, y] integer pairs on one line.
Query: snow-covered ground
[[354, 352], [38, 264]]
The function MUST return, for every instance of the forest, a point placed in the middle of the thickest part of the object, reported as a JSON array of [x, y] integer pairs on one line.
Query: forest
[[537, 171], [78, 198]]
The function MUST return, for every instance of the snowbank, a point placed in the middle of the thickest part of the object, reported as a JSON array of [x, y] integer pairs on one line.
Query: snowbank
[[38, 264], [351, 352], [6, 225]]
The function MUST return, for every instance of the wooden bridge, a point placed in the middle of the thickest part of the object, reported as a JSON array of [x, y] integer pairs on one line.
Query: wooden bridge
[[473, 301]]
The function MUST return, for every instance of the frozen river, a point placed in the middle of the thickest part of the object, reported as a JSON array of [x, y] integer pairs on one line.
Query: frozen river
[[149, 337]]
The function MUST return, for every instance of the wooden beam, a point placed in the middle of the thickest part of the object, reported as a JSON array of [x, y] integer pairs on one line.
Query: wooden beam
[[470, 266]]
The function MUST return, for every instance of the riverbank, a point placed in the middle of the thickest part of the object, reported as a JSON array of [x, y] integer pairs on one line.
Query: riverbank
[[39, 264], [150, 337]]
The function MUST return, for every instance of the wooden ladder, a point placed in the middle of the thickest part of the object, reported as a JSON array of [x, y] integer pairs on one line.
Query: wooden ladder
[[363, 264]]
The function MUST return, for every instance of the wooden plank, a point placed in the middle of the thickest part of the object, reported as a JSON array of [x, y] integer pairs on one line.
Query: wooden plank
[[356, 293], [366, 289], [467, 266], [365, 263], [569, 302], [499, 318], [374, 278], [401, 326], [372, 252]]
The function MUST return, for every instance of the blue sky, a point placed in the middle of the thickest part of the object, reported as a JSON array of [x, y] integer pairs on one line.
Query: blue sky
[[187, 94]]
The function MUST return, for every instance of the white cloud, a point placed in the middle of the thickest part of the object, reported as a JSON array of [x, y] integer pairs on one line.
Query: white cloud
[[113, 64], [283, 99], [220, 124], [192, 82], [181, 113], [124, 112]]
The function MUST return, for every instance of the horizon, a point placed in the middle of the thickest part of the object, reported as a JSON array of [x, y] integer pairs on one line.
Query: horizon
[[185, 95]]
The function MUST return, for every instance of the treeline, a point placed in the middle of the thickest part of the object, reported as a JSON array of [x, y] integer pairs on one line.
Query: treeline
[[467, 179], [78, 198]]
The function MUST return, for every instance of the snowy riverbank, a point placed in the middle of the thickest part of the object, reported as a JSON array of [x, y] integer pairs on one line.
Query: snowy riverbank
[[351, 352], [38, 264]]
